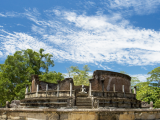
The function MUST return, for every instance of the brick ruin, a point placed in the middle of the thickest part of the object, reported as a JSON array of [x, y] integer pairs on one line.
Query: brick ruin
[[106, 90]]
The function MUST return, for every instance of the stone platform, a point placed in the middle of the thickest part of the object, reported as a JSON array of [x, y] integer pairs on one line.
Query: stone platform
[[78, 114]]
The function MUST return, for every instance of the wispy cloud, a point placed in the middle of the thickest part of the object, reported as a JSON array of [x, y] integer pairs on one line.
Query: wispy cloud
[[79, 38], [138, 6], [141, 77], [10, 14], [11, 42], [102, 39]]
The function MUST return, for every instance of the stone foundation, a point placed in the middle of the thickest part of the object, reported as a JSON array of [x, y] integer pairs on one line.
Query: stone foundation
[[78, 114]]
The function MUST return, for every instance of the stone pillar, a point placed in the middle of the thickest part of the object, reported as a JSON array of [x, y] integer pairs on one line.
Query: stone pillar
[[26, 89], [114, 89], [71, 81], [123, 88], [151, 105], [46, 89], [37, 90], [7, 104], [90, 87], [58, 82], [134, 89], [92, 102]]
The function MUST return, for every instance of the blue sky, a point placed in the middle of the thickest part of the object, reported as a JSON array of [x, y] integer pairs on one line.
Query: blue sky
[[114, 35]]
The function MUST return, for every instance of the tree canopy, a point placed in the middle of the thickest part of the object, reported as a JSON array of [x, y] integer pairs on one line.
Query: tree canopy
[[17, 69], [79, 76], [154, 76], [51, 77]]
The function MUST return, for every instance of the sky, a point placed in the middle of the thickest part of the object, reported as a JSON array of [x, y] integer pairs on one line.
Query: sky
[[112, 35]]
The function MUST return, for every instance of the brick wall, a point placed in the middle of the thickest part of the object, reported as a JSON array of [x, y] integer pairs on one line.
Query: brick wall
[[110, 78], [65, 84]]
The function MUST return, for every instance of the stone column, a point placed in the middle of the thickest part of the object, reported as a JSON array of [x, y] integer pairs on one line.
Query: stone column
[[58, 82], [46, 89], [151, 105], [123, 88], [134, 89], [7, 104], [37, 90], [90, 87], [114, 89], [92, 102], [71, 81], [26, 89]]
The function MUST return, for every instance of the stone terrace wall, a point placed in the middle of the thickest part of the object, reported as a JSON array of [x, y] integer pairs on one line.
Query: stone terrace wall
[[110, 78], [81, 114]]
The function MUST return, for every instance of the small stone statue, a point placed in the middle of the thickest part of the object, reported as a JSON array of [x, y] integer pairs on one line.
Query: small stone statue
[[83, 90]]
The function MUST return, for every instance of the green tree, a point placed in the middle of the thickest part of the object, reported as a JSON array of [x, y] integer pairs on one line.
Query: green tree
[[148, 93], [134, 82], [154, 76], [17, 69], [79, 76], [51, 77]]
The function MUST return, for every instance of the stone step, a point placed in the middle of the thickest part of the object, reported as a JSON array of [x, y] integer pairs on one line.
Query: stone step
[[83, 100], [82, 104], [84, 107]]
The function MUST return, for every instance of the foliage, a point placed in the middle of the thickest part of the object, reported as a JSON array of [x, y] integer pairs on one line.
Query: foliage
[[147, 93], [79, 76], [155, 76], [51, 77], [157, 104], [16, 72], [134, 81]]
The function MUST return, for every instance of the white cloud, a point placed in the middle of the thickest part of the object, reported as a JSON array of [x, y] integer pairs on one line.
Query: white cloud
[[139, 6], [87, 39], [11, 42], [141, 77], [95, 39], [1, 54], [10, 14], [104, 67]]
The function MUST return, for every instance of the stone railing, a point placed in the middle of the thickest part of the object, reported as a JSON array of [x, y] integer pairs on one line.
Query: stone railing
[[111, 94], [50, 93], [114, 99]]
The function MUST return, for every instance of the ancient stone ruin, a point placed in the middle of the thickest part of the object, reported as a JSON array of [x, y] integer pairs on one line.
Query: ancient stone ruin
[[106, 90]]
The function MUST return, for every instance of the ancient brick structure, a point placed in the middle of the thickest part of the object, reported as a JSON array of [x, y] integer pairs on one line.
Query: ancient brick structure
[[106, 89], [108, 79]]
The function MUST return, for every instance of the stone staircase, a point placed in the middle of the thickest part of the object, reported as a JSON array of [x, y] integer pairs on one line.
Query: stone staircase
[[83, 102]]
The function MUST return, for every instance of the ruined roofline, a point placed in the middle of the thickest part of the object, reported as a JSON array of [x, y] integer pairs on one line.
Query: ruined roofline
[[99, 72], [36, 77]]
